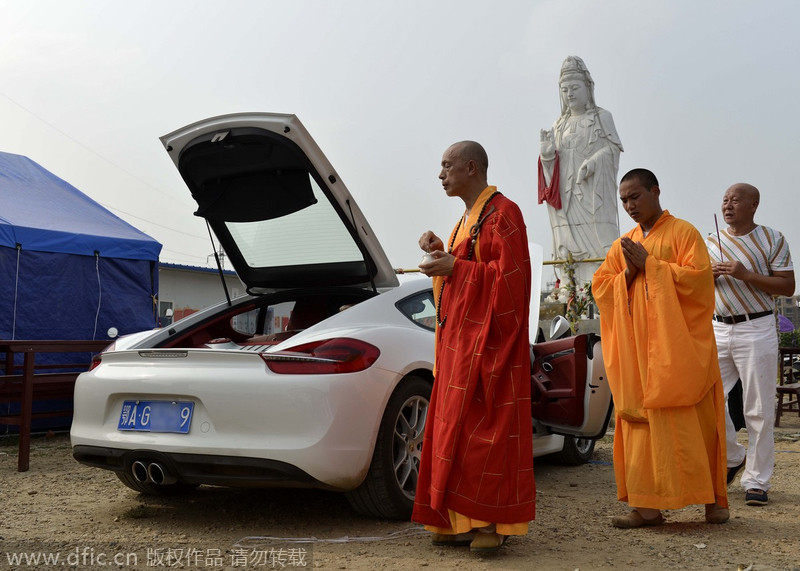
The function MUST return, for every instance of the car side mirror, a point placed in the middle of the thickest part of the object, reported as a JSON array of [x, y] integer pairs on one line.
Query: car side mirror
[[559, 327]]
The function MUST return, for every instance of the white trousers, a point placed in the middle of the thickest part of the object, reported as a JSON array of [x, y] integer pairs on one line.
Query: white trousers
[[749, 351]]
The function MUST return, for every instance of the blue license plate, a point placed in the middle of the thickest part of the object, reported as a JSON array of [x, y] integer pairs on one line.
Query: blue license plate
[[156, 416]]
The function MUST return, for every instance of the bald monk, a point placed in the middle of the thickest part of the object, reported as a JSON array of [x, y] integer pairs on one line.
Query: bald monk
[[655, 293], [476, 482]]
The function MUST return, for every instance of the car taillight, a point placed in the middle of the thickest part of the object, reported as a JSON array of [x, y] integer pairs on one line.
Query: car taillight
[[340, 355], [95, 361], [99, 357]]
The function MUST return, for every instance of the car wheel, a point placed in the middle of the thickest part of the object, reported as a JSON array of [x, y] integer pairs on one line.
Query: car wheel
[[389, 488], [576, 451], [154, 489]]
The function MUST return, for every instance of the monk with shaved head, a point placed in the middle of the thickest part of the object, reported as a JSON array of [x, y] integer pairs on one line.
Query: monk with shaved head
[[751, 264], [655, 293], [475, 482]]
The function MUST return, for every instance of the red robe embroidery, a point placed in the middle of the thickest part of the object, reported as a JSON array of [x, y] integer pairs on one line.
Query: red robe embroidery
[[477, 455]]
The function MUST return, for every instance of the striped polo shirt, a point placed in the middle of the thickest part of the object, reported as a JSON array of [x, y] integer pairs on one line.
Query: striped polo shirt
[[763, 250]]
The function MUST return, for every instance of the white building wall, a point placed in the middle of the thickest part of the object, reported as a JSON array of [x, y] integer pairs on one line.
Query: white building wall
[[189, 290]]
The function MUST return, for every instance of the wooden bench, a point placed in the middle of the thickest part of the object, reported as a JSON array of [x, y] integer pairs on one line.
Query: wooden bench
[[23, 385]]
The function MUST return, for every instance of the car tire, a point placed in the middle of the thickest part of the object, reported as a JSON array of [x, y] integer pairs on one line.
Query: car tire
[[576, 451], [388, 490], [155, 489]]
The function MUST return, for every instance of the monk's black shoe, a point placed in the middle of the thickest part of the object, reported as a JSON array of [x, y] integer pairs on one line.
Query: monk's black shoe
[[733, 470]]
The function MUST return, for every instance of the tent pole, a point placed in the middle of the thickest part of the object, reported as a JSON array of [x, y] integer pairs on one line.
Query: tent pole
[[16, 294]]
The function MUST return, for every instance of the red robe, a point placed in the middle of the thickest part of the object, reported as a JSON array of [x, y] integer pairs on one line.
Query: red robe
[[477, 454]]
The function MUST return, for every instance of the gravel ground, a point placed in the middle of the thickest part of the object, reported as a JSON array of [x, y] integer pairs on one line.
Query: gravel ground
[[89, 520]]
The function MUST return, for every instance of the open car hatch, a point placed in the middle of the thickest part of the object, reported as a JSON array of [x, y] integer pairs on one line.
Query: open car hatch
[[277, 207]]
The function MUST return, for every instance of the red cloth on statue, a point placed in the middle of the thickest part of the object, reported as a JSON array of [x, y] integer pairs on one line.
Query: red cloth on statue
[[550, 193], [477, 455]]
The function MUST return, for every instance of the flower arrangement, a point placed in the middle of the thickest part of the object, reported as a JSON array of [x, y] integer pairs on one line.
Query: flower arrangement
[[559, 294], [578, 298]]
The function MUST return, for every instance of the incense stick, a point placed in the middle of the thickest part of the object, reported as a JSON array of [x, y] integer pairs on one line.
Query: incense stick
[[719, 240]]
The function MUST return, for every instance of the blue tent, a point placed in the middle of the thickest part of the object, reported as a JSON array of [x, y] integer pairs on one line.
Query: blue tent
[[69, 268]]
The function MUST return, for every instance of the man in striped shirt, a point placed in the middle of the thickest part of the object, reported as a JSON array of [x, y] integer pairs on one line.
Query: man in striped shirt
[[751, 264]]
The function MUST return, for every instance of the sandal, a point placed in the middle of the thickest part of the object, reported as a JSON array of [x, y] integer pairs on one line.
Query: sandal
[[635, 519], [452, 539], [487, 542]]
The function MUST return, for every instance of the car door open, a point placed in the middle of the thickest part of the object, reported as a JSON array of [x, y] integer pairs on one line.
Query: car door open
[[569, 388]]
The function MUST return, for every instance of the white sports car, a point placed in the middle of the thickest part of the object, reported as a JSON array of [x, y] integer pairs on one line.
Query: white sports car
[[321, 375]]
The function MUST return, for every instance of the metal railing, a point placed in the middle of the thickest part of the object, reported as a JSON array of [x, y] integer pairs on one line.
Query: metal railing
[[27, 382]]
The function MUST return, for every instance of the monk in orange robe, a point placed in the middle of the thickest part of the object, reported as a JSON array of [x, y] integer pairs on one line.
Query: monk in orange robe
[[655, 293], [476, 482]]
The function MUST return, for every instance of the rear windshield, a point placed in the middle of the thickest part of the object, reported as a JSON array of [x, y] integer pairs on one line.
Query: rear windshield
[[313, 235]]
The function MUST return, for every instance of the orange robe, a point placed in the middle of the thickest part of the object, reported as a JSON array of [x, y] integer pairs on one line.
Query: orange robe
[[661, 360], [477, 454]]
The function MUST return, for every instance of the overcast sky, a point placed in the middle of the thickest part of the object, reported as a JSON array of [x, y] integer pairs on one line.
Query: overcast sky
[[701, 93]]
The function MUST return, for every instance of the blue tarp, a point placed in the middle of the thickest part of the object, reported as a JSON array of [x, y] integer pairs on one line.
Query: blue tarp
[[69, 268], [44, 213]]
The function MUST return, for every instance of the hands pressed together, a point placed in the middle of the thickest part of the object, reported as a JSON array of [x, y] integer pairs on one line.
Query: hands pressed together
[[635, 256]]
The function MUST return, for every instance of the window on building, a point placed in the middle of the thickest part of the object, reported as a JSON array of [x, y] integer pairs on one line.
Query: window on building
[[165, 313]]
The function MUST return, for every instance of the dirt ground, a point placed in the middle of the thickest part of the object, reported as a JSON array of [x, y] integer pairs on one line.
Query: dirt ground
[[89, 520]]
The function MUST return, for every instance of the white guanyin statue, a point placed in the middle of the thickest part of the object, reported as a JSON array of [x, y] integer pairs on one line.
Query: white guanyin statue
[[578, 164]]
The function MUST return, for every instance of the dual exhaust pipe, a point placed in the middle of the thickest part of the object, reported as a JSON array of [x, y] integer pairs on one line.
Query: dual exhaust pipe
[[152, 472]]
